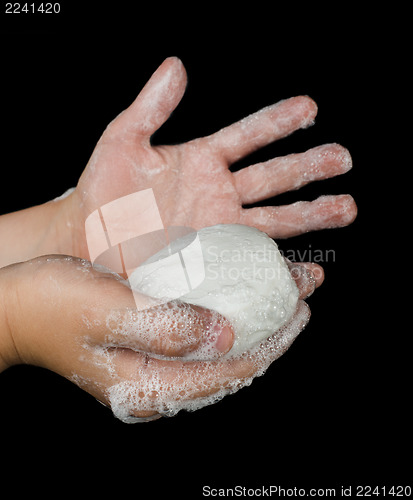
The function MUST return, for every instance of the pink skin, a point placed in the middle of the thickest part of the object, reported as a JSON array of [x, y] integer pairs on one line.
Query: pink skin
[[192, 182]]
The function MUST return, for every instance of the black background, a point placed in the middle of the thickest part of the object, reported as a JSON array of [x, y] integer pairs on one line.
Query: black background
[[334, 410]]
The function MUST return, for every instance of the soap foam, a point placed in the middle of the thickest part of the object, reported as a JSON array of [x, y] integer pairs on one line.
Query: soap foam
[[171, 388], [167, 330]]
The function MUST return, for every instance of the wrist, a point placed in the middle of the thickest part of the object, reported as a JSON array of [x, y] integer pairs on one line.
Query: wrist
[[69, 229], [40, 230], [24, 311], [64, 235], [9, 355], [56, 236]]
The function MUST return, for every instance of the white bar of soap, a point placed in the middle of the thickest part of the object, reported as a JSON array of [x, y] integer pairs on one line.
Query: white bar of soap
[[235, 270]]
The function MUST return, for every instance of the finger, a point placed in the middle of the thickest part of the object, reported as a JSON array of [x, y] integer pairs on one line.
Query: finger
[[172, 329], [264, 127], [316, 270], [263, 180], [156, 101], [303, 278], [116, 316], [325, 212], [307, 276], [166, 387]]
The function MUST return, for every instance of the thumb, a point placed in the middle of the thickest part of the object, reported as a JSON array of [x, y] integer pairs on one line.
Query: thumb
[[173, 329], [156, 101]]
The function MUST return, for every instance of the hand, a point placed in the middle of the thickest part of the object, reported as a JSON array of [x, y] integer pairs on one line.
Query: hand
[[64, 315], [192, 182], [82, 324]]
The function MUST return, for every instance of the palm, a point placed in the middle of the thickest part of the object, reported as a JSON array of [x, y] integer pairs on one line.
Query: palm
[[192, 183], [192, 186]]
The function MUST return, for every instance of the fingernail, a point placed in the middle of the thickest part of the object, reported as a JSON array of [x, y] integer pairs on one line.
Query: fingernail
[[225, 339]]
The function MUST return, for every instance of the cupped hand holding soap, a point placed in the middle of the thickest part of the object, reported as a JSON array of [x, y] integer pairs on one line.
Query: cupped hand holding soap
[[245, 278]]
